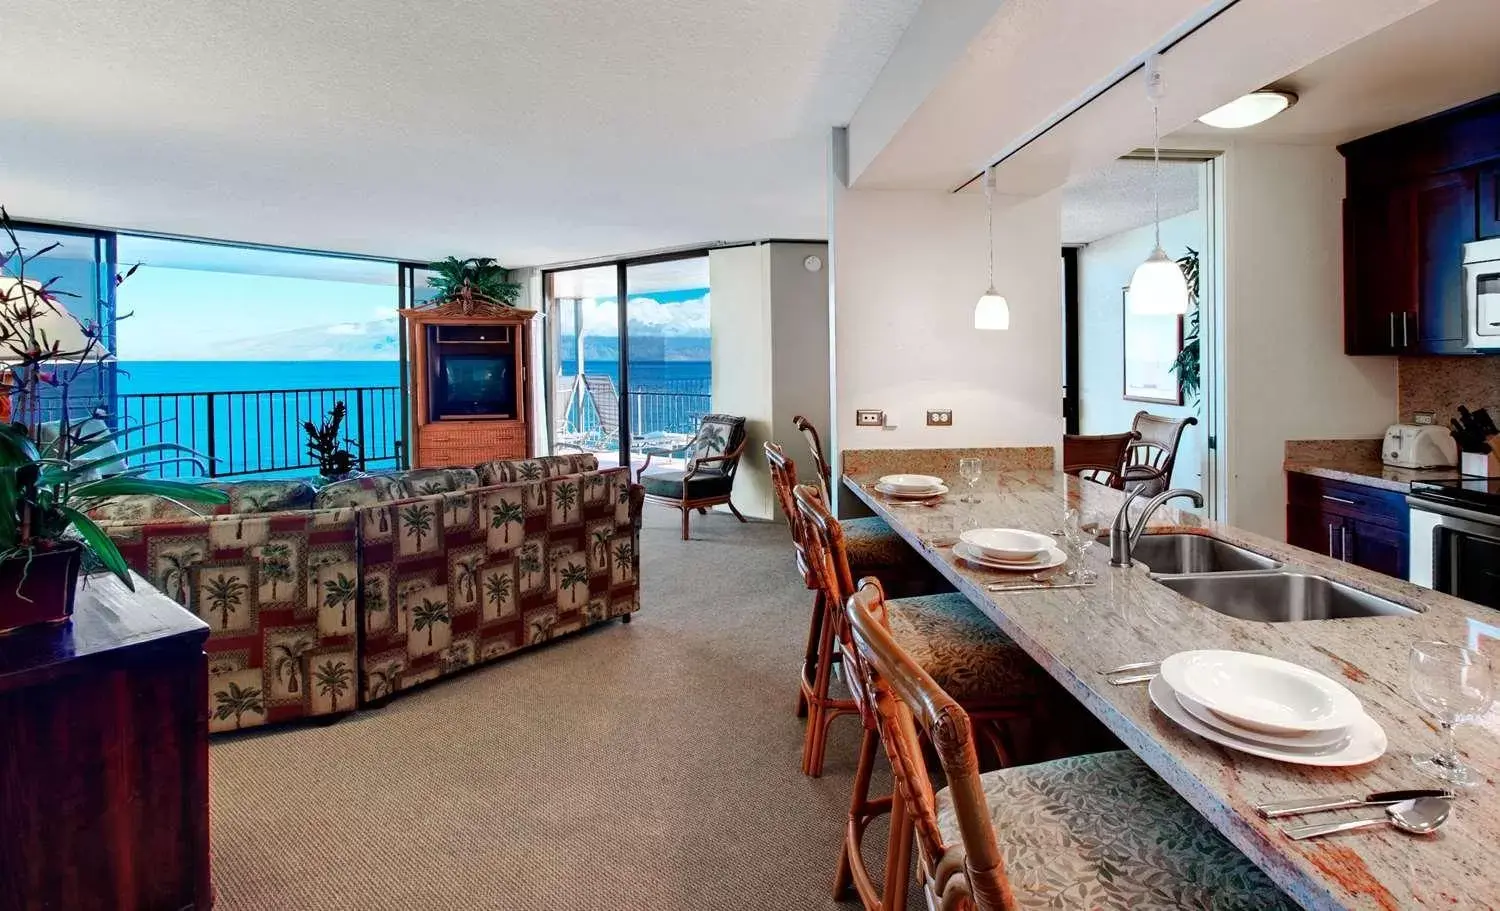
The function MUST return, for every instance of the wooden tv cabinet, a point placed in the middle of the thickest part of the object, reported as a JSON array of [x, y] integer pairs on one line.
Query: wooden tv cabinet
[[460, 329]]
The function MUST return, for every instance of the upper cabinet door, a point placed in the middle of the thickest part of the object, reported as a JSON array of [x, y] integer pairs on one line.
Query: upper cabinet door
[[1489, 201], [1380, 271], [1445, 221]]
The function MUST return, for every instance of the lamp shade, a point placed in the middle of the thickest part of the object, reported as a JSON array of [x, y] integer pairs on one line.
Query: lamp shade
[[51, 327], [1158, 287], [992, 312]]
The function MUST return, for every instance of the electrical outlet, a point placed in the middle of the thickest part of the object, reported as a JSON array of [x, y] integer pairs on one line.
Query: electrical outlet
[[869, 417], [943, 418]]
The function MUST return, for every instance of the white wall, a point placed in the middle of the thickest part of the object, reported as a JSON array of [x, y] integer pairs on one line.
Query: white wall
[[1286, 373], [908, 269], [1104, 268]]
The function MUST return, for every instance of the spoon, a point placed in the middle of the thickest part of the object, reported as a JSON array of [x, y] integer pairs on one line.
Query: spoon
[[1421, 816]]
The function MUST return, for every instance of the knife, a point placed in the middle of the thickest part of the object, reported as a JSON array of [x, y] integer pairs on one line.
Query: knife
[[1343, 802], [1485, 423]]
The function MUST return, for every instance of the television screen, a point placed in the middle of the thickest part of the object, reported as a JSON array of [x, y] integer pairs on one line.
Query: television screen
[[475, 385]]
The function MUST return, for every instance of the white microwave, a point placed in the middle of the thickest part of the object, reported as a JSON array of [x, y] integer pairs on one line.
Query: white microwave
[[1482, 293]]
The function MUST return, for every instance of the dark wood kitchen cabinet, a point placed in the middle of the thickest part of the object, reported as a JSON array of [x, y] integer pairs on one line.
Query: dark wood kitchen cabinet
[[1415, 195], [1366, 526]]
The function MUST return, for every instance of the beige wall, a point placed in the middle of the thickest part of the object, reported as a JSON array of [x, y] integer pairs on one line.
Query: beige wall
[[908, 269], [769, 320], [1287, 376]]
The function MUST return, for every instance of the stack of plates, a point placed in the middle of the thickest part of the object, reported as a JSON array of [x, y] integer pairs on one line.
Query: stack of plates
[[1009, 548], [912, 486], [1267, 707]]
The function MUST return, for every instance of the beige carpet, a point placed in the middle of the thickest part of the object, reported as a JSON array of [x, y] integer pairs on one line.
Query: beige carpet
[[649, 766]]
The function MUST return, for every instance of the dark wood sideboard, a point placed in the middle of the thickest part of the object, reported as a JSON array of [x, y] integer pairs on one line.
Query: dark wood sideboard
[[1362, 525], [104, 756]]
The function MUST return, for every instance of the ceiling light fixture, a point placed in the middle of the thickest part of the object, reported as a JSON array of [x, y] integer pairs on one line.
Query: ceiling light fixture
[[1248, 110], [1158, 286], [992, 311]]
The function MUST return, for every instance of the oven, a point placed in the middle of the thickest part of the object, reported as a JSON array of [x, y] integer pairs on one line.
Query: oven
[[1455, 549], [1482, 293]]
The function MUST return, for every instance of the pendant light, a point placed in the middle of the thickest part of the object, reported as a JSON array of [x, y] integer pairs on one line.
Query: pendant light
[[992, 312], [1158, 286]]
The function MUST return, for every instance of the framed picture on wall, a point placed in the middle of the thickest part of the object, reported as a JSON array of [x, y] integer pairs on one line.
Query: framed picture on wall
[[1152, 342]]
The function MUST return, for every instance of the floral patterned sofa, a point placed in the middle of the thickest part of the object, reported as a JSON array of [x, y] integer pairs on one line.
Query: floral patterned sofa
[[321, 601]]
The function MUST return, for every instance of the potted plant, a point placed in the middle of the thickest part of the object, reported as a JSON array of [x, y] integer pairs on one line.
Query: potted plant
[[471, 281], [335, 460], [48, 487], [1188, 362]]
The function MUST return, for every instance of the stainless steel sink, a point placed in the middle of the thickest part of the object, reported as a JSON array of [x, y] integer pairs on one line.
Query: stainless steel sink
[[1176, 554], [1280, 597]]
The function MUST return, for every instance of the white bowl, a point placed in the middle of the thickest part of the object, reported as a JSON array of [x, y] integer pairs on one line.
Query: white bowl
[[1006, 544], [1316, 740], [911, 483], [1263, 694]]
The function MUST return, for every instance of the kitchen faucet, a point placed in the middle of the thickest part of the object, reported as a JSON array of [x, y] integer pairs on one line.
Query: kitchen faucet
[[1122, 537]]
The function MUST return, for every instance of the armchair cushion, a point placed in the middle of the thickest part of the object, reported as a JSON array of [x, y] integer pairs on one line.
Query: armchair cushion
[[718, 434], [669, 484]]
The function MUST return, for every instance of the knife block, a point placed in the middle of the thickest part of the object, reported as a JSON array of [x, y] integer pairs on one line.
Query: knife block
[[1480, 464]]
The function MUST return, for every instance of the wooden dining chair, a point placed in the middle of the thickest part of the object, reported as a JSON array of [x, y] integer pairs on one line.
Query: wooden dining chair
[[1099, 458], [953, 640], [1150, 459], [1085, 832]]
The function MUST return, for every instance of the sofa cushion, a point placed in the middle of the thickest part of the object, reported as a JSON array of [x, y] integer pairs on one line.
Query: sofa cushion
[[360, 492], [421, 482], [268, 496], [505, 471], [148, 508], [669, 484]]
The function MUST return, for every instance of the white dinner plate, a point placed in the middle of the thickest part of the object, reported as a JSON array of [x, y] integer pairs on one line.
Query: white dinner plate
[[912, 495], [1315, 740], [1007, 545], [1366, 741], [1262, 693], [911, 483], [1052, 557]]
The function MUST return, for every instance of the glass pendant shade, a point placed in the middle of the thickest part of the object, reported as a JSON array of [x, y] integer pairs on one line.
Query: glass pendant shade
[[992, 312], [1158, 287]]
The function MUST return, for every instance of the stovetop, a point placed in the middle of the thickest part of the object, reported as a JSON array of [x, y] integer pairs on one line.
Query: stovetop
[[1481, 494]]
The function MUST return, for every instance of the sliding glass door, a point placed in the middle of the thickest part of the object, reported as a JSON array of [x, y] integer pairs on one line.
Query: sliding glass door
[[584, 368]]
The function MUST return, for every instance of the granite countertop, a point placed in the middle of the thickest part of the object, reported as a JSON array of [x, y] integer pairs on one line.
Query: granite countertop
[[1127, 617], [1356, 462]]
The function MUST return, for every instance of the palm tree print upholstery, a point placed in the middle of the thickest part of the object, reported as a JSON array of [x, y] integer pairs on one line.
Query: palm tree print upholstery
[[717, 434], [504, 471], [543, 558]]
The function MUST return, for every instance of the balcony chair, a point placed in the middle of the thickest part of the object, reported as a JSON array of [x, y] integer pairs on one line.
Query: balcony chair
[[1100, 458], [1149, 460], [1093, 831], [606, 400], [562, 402], [713, 458]]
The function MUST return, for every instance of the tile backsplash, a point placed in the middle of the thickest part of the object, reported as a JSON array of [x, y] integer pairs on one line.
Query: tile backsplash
[[1441, 384]]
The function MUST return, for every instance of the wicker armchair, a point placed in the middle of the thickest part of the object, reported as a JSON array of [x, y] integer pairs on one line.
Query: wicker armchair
[[1149, 460], [713, 459]]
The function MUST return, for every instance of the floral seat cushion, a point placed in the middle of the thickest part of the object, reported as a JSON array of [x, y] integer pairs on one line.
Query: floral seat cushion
[[871, 546], [1104, 831], [419, 482], [963, 650]]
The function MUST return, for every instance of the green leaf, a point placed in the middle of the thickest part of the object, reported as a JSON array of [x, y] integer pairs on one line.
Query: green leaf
[[16, 447], [175, 490], [100, 544]]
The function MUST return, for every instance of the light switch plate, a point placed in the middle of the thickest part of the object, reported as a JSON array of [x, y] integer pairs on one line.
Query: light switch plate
[[869, 417], [939, 418]]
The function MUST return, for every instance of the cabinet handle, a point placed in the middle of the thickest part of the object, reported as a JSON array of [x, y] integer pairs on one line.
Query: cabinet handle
[[1393, 330], [1330, 539], [1335, 499], [1405, 342], [1344, 544]]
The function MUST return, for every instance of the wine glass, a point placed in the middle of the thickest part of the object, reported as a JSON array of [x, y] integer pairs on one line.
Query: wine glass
[[970, 470], [1453, 684]]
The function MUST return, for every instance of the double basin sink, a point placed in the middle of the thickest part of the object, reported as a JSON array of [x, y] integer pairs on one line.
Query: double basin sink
[[1249, 586]]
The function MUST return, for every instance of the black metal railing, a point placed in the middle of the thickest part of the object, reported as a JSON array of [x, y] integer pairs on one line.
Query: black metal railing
[[260, 431]]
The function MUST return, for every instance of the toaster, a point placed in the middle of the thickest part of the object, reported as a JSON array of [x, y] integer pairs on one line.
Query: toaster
[[1418, 446]]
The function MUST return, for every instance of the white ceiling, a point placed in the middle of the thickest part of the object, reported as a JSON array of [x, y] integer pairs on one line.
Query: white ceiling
[[534, 132], [1439, 57], [1118, 197]]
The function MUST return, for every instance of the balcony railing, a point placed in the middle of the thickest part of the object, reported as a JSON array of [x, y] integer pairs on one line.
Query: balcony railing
[[260, 431]]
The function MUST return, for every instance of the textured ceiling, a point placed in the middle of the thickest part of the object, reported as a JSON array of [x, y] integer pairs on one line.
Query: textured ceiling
[[534, 132], [1118, 197]]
